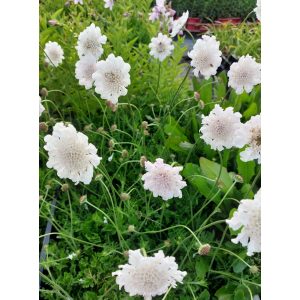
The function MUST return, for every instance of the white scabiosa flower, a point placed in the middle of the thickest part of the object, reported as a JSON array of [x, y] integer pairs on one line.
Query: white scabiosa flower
[[163, 180], [90, 42], [84, 70], [177, 25], [70, 154], [78, 1], [111, 78], [109, 4], [244, 74], [148, 276], [250, 135], [220, 127], [257, 10], [54, 54], [247, 218], [42, 108], [161, 46], [206, 56]]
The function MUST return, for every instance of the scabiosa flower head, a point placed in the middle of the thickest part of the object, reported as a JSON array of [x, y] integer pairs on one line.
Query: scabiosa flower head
[[90, 42], [248, 218], [257, 10], [42, 108], [111, 78], [54, 54], [161, 46], [78, 1], [250, 135], [178, 24], [84, 70], [70, 154], [148, 276], [206, 56], [244, 74], [109, 4], [219, 128], [163, 180]]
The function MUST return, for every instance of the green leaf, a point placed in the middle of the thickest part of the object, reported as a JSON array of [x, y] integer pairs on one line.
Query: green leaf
[[245, 169], [206, 90], [192, 173], [250, 111], [204, 295], [201, 267], [225, 292], [212, 169]]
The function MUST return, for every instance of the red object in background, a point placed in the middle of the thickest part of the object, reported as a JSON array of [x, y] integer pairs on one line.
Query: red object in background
[[229, 20], [194, 21]]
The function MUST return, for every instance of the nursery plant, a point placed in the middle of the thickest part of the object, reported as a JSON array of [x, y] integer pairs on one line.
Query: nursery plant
[[149, 163]]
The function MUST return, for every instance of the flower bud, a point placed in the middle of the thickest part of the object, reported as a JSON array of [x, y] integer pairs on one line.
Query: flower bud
[[167, 243], [204, 249], [83, 199], [53, 22], [254, 269], [196, 96], [64, 187], [100, 130], [146, 132], [111, 143], [143, 159], [201, 104], [88, 127], [131, 228], [113, 127], [112, 106], [43, 127], [98, 177], [145, 125], [43, 92], [124, 196], [124, 153]]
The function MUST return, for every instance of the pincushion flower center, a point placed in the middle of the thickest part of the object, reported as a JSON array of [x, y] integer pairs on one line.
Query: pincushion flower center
[[256, 137], [161, 47], [91, 44], [112, 77], [74, 156], [220, 128]]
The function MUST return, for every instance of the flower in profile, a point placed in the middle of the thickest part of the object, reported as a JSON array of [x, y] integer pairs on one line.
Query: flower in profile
[[247, 218], [111, 78], [158, 10], [90, 42], [148, 276], [42, 108], [250, 135], [244, 74], [163, 180], [177, 25], [84, 70], [220, 127], [161, 46], [257, 10], [70, 154], [109, 4], [206, 56], [54, 54]]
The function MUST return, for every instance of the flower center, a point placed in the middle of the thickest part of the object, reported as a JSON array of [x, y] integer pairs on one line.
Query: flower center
[[161, 47], [74, 157], [255, 137], [112, 77], [91, 44]]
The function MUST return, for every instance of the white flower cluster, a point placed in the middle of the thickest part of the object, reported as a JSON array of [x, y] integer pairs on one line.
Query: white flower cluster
[[223, 129], [178, 24], [248, 219], [70, 154], [206, 56], [42, 108], [54, 54], [163, 180], [161, 46], [148, 276], [109, 4]]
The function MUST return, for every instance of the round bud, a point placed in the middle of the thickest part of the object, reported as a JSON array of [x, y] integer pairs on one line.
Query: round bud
[[124, 196], [113, 127], [64, 187], [43, 127], [143, 159], [196, 96], [254, 269], [83, 199], [204, 249], [124, 153], [145, 125], [43, 92], [131, 228]]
